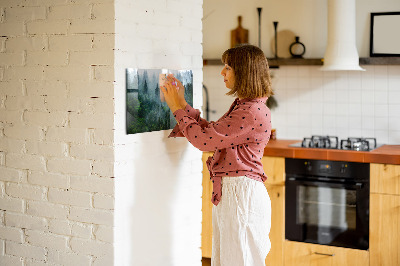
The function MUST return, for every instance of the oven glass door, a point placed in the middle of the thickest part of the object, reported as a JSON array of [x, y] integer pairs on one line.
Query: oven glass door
[[326, 213]]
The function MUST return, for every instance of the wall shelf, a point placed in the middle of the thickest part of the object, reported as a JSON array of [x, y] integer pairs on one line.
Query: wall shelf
[[274, 63]]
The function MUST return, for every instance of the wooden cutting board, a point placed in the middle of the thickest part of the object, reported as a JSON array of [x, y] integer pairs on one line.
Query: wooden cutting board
[[239, 35]]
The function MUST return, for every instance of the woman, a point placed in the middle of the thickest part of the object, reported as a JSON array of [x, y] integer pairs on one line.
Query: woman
[[242, 208]]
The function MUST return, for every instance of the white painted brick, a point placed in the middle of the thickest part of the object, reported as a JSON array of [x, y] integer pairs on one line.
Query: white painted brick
[[103, 11], [2, 222], [90, 58], [12, 117], [56, 149], [12, 145], [193, 49], [12, 234], [12, 29], [82, 230], [25, 161], [68, 258], [105, 260], [11, 88], [70, 12], [94, 216], [25, 250], [23, 73], [3, 44], [25, 103], [46, 88], [47, 58], [46, 118], [91, 89], [12, 204], [103, 41], [98, 120], [81, 73], [24, 132], [21, 43], [93, 184], [10, 174], [24, 13], [71, 42], [74, 135], [11, 59], [70, 166], [60, 227], [97, 105], [25, 221], [101, 136], [46, 2], [91, 26], [32, 262], [11, 260], [103, 202], [25, 191], [56, 103], [46, 209], [92, 151], [46, 240], [104, 233], [104, 169], [47, 27], [104, 73], [48, 179], [91, 247], [2, 158], [69, 197]]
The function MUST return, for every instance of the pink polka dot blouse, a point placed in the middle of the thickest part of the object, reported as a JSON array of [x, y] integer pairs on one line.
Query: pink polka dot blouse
[[238, 139]]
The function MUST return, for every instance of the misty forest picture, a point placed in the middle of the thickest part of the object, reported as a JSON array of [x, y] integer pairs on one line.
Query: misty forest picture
[[146, 109]]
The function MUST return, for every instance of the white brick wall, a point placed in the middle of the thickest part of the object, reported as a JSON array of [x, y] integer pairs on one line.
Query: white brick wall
[[156, 177], [56, 132]]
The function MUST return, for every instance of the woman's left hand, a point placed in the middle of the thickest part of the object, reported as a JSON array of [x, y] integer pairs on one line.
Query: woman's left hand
[[171, 95]]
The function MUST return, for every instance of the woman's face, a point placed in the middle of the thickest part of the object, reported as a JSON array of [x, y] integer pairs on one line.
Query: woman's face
[[229, 76]]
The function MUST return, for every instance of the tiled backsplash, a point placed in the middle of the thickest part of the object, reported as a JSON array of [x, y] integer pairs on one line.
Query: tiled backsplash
[[313, 102]]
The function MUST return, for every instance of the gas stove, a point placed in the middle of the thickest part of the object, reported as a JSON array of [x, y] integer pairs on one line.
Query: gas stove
[[332, 142]]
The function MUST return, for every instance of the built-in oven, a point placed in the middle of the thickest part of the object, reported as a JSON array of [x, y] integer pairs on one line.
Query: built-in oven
[[327, 202]]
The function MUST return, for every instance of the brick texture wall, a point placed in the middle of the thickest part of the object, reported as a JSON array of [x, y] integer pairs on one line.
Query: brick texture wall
[[56, 132], [158, 180]]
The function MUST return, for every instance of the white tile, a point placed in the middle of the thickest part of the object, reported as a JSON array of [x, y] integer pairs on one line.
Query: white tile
[[291, 71], [381, 97], [381, 110], [394, 123], [381, 71], [355, 96], [394, 83], [394, 70], [368, 123], [355, 122], [329, 109], [355, 109], [381, 84], [394, 97], [368, 110], [355, 132], [394, 137], [382, 136], [342, 122], [367, 96], [394, 110], [342, 109], [292, 83], [382, 123]]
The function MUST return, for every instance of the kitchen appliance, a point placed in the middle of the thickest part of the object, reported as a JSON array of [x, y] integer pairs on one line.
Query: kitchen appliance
[[332, 142], [327, 202]]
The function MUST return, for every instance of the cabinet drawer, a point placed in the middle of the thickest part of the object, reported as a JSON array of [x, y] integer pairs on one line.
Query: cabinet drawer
[[304, 254]]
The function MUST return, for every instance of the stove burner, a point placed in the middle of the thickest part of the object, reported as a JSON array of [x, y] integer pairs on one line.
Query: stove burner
[[328, 142], [358, 144]]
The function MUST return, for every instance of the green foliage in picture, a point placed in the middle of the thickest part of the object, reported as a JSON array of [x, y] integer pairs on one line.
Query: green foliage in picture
[[145, 112]]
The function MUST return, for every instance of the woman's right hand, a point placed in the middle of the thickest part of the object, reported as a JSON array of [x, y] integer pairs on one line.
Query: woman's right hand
[[181, 91]]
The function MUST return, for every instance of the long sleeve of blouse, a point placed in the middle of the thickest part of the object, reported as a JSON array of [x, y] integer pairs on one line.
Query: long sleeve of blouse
[[238, 139]]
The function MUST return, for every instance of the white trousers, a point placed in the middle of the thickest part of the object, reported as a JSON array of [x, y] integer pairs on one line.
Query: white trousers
[[241, 223]]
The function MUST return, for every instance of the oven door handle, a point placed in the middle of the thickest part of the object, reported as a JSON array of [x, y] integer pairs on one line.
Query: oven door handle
[[357, 185]]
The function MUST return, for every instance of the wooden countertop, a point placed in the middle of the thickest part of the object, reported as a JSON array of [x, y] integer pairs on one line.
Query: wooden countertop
[[389, 154]]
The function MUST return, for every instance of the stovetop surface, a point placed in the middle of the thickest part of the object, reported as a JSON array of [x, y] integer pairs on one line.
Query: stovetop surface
[[333, 143]]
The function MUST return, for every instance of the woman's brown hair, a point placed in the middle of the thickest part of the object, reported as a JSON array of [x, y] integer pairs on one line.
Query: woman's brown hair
[[250, 66]]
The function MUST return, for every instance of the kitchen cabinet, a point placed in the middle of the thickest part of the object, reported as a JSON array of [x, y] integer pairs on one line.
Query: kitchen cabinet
[[274, 168], [305, 254], [385, 214]]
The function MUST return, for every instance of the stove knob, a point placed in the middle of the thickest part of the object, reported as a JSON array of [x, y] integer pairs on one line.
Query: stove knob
[[343, 168]]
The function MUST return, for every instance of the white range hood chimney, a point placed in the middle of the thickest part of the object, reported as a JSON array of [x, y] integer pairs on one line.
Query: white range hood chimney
[[341, 51]]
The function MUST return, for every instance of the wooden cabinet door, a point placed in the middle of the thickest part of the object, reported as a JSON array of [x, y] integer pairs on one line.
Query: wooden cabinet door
[[206, 226], [385, 178], [304, 254], [277, 233], [274, 168], [384, 236]]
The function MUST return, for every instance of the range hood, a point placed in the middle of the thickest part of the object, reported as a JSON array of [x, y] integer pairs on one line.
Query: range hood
[[341, 51]]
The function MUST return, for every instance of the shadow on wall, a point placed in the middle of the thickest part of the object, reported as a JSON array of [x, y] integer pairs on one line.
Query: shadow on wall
[[156, 192]]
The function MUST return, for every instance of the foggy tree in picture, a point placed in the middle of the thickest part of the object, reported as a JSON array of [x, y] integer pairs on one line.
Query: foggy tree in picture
[[145, 112]]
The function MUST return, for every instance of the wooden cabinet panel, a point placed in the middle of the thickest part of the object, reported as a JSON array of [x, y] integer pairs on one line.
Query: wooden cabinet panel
[[385, 178], [274, 168], [304, 254], [277, 233], [206, 226], [384, 230]]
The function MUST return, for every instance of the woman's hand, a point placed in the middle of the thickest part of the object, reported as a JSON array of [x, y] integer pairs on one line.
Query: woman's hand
[[181, 90], [173, 94]]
